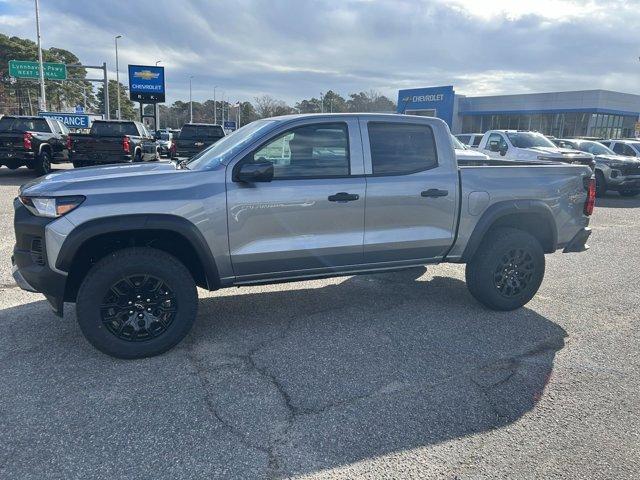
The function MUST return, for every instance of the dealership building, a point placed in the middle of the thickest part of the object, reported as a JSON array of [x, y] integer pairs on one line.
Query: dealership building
[[585, 113]]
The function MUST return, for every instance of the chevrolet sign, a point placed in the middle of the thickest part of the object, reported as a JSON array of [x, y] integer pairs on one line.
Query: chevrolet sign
[[146, 84]]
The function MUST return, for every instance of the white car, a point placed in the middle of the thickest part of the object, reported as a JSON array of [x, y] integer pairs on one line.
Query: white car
[[464, 153], [628, 148], [470, 139], [524, 146]]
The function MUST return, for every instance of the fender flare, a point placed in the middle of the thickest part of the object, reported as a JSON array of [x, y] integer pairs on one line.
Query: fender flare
[[140, 222], [45, 146], [509, 207]]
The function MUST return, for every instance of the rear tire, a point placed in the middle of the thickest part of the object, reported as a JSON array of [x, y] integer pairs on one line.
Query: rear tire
[[136, 302], [601, 184], [507, 270], [43, 163]]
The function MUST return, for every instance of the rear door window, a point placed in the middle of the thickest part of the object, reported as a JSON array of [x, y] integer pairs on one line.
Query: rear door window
[[401, 148], [476, 140]]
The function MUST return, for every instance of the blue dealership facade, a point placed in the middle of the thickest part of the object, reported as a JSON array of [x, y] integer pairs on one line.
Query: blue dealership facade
[[585, 113]]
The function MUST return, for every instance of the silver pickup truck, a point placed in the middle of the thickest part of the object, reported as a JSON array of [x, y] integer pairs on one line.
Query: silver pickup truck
[[284, 199]]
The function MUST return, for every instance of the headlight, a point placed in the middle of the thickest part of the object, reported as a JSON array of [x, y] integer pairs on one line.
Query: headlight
[[51, 207], [616, 166]]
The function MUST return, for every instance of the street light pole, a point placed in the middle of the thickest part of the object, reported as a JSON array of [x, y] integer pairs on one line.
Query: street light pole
[[157, 106], [321, 103], [117, 78], [190, 102], [43, 93], [215, 110]]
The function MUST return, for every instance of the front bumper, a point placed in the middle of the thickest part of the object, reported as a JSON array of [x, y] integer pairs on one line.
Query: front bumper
[[30, 267], [579, 241]]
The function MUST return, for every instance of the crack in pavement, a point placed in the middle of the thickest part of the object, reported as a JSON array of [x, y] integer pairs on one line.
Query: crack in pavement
[[245, 363]]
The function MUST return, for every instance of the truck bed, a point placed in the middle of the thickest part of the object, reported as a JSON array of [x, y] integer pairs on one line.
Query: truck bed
[[559, 186]]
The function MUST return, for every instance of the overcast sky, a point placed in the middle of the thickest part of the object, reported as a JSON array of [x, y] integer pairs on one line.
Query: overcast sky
[[294, 49]]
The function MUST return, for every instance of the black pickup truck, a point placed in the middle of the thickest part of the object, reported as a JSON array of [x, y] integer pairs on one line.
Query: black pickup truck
[[36, 142], [195, 137], [113, 141]]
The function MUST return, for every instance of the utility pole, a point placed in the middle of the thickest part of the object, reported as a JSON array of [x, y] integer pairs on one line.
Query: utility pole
[[106, 91], [190, 101], [43, 93], [215, 110], [321, 103], [118, 78], [157, 106]]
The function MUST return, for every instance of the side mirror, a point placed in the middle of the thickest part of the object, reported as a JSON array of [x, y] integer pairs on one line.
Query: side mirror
[[503, 150], [260, 171]]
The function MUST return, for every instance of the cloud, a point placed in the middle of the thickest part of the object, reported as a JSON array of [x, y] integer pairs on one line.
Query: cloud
[[293, 49]]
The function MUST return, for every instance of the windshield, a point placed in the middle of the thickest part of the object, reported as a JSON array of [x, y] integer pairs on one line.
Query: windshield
[[457, 143], [529, 140], [594, 148], [213, 155]]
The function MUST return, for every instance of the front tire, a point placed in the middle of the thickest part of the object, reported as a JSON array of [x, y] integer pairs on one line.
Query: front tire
[[137, 302], [507, 270]]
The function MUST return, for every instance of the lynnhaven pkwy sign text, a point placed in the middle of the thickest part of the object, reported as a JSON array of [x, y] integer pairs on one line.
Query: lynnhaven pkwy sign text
[[28, 69]]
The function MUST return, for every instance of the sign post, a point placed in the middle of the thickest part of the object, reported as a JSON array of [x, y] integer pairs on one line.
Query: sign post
[[28, 69], [146, 85]]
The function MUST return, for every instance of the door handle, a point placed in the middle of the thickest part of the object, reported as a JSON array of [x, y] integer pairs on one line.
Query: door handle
[[344, 197], [434, 192]]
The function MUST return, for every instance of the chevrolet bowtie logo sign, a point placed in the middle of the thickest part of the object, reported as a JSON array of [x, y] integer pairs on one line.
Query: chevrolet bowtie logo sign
[[146, 75]]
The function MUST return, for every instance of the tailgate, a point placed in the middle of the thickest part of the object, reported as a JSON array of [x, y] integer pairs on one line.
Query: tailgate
[[94, 148], [11, 144]]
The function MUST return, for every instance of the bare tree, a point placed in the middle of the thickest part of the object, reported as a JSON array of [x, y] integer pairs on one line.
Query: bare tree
[[267, 106]]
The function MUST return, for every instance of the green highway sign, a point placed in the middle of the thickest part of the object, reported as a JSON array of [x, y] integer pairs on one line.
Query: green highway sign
[[28, 69]]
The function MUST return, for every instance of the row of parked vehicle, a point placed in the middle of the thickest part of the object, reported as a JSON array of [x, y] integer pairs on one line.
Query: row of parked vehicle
[[616, 162], [38, 142]]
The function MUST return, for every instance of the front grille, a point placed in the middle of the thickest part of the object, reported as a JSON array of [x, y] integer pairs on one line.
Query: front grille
[[37, 253], [631, 170]]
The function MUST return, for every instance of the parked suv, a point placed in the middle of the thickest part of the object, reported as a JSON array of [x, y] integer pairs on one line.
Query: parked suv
[[613, 171], [283, 199], [36, 142], [195, 137]]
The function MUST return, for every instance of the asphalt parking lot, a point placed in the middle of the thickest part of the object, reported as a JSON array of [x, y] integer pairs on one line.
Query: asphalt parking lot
[[399, 375]]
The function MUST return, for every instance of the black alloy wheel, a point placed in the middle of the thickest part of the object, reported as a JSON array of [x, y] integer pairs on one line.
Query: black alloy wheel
[[138, 308]]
